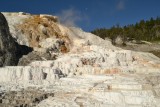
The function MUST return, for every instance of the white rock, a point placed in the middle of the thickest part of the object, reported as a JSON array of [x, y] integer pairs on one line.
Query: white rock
[[93, 74], [27, 74]]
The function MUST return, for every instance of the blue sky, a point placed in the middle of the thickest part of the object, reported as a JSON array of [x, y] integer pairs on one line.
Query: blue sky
[[88, 14]]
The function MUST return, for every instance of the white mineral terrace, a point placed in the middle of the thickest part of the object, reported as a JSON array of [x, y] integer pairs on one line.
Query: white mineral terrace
[[94, 73]]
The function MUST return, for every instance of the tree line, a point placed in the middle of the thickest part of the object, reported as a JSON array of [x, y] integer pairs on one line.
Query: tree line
[[148, 30]]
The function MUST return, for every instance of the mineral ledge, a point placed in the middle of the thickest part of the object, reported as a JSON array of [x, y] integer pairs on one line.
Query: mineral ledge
[[87, 71]]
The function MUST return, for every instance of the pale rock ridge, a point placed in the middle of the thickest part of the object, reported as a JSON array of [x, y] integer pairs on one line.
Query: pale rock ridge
[[16, 19], [91, 73], [96, 61], [35, 75], [111, 91], [99, 60], [76, 35], [46, 17]]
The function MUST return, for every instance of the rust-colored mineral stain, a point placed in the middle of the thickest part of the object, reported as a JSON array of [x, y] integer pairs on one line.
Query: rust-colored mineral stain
[[38, 28]]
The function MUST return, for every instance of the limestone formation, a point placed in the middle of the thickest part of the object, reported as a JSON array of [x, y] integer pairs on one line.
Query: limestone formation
[[24, 75], [67, 67]]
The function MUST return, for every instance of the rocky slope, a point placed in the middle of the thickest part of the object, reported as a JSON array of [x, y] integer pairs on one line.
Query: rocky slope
[[73, 68], [7, 45]]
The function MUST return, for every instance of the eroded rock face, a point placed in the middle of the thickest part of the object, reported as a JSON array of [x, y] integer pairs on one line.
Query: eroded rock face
[[35, 56], [38, 33], [25, 75], [7, 45]]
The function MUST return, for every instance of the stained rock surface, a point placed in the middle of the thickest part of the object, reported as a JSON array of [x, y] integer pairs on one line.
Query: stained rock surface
[[72, 68]]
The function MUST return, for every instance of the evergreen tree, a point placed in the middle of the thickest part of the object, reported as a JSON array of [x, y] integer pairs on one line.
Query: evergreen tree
[[144, 30]]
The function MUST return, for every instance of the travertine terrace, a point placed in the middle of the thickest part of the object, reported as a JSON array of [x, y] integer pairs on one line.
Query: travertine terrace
[[76, 69]]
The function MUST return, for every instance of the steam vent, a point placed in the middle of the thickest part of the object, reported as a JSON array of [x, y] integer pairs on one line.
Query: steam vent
[[46, 64]]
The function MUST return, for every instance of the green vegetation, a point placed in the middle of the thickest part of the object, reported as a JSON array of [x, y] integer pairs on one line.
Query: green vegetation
[[144, 30]]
